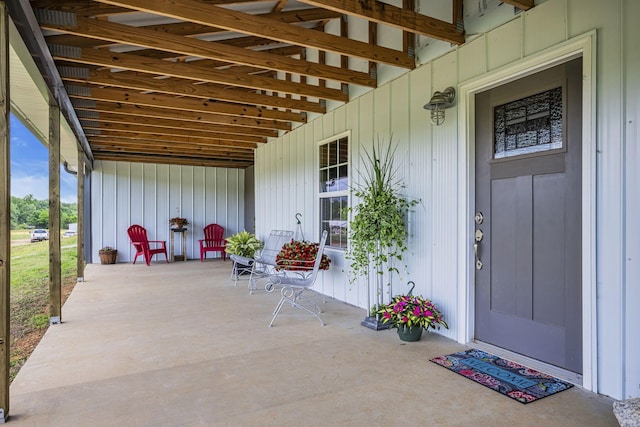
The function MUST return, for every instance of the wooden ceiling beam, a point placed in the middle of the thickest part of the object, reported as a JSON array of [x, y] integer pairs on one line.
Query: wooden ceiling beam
[[110, 135], [127, 34], [172, 150], [174, 160], [169, 123], [191, 29], [158, 131], [195, 72], [134, 110], [384, 13], [170, 102], [521, 4], [181, 87], [87, 8], [215, 16]]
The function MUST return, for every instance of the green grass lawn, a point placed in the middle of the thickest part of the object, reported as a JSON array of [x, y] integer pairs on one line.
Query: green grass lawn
[[20, 234], [30, 293]]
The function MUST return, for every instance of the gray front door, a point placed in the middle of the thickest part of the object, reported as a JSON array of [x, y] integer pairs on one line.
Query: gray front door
[[528, 186]]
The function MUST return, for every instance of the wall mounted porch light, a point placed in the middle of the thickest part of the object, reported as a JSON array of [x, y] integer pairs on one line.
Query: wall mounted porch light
[[438, 103]]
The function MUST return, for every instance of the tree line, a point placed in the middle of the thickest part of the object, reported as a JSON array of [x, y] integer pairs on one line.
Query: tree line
[[31, 213]]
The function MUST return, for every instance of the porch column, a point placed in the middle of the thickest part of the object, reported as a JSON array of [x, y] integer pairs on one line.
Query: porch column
[[80, 229], [5, 213], [55, 268]]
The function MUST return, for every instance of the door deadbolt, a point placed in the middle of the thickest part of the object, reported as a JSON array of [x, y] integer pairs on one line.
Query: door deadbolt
[[479, 218]]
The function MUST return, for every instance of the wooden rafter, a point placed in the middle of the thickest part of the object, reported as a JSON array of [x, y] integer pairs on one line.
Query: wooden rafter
[[193, 71], [522, 4], [182, 87], [120, 33], [384, 13], [232, 20]]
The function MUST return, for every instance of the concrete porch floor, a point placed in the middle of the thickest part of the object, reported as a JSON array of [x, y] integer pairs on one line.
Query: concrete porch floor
[[178, 344]]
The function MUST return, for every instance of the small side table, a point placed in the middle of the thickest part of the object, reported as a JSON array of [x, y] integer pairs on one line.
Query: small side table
[[183, 235]]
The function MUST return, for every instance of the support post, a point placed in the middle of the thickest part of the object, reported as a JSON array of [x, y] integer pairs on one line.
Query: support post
[[5, 214], [80, 230], [55, 268]]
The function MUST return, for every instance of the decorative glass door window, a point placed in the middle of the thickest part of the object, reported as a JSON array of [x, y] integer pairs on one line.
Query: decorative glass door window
[[529, 125]]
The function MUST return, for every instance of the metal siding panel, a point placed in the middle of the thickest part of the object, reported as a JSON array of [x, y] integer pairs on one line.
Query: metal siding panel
[[607, 17], [544, 26], [472, 59], [148, 194], [420, 164], [504, 44], [382, 114], [631, 13], [159, 198], [444, 197], [109, 234]]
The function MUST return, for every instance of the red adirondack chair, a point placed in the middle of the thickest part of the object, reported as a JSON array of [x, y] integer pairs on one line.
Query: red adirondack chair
[[213, 241], [138, 236]]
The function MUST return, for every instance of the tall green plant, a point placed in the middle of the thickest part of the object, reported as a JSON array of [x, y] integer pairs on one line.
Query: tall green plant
[[377, 232]]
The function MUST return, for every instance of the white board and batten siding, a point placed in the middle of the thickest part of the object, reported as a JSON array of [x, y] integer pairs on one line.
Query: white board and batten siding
[[430, 166], [148, 194]]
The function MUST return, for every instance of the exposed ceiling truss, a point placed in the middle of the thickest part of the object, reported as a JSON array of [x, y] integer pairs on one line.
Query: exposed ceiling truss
[[206, 82]]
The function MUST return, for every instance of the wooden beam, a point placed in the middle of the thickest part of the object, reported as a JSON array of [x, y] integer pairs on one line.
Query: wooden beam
[[80, 224], [521, 4], [55, 268], [5, 214], [171, 150], [183, 87], [175, 160], [87, 8], [191, 29], [384, 13], [113, 135], [186, 125], [215, 16], [159, 131], [170, 102], [191, 71], [127, 34], [135, 110]]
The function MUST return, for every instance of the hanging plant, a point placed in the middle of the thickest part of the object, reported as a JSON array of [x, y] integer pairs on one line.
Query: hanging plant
[[377, 232]]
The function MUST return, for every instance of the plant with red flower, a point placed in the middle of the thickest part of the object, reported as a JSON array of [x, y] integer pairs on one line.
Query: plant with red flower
[[410, 310], [300, 255]]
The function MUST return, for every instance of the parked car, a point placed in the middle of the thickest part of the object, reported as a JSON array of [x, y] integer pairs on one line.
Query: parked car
[[69, 233], [39, 234]]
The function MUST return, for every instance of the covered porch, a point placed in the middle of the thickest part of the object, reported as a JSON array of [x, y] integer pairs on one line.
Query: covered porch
[[179, 344]]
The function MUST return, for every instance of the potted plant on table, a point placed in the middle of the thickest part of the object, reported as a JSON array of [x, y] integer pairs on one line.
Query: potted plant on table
[[108, 255], [377, 230], [178, 222], [410, 315]]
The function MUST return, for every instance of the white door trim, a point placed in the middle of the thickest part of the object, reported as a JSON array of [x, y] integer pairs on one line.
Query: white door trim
[[584, 46]]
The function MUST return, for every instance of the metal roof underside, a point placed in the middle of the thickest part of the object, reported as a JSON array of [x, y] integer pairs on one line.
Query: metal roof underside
[[206, 82]]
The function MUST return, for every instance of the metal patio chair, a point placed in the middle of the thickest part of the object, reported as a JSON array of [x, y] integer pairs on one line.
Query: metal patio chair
[[264, 261], [295, 282]]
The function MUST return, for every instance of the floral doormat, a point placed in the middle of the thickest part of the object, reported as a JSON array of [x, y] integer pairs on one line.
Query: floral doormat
[[511, 379]]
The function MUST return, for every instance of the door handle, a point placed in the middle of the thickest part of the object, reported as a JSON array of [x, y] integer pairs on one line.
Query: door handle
[[475, 252], [479, 236]]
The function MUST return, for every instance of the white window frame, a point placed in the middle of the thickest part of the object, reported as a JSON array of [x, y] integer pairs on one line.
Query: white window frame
[[342, 193]]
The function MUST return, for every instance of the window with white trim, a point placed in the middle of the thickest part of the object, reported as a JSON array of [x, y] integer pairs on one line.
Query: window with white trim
[[334, 190]]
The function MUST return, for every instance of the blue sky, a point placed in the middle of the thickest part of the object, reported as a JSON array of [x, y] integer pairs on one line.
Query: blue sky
[[30, 167]]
